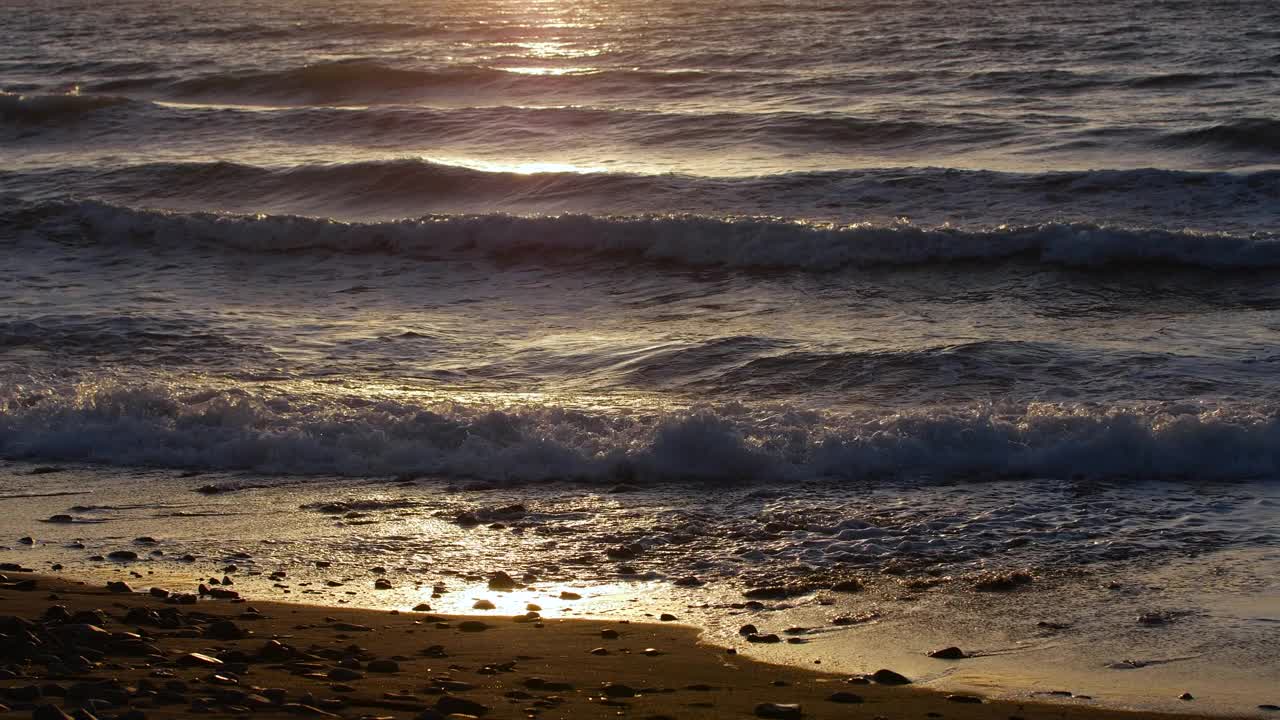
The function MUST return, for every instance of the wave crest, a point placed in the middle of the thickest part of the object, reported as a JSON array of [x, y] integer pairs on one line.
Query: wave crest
[[236, 429], [691, 240]]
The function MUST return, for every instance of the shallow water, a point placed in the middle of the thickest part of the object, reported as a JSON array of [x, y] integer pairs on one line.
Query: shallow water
[[1199, 555]]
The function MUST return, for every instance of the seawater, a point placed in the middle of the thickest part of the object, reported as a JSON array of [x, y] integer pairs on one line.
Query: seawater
[[897, 290]]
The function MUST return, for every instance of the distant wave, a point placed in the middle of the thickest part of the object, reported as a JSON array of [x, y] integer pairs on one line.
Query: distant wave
[[383, 125], [1152, 199], [696, 241], [53, 109], [359, 81], [1197, 79], [237, 429], [1248, 134]]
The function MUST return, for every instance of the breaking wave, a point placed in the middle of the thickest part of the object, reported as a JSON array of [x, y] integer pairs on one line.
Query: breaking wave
[[690, 240], [236, 429]]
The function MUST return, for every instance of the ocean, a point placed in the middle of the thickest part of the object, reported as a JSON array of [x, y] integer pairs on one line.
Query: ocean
[[762, 291]]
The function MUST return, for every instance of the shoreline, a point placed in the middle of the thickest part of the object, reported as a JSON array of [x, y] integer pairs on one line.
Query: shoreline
[[1067, 638], [273, 656]]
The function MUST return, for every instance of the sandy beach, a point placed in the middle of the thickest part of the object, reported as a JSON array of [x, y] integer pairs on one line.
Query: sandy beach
[[136, 651]]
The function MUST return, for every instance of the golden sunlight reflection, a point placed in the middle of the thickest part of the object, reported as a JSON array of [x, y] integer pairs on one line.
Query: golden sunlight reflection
[[531, 603], [546, 70], [519, 168]]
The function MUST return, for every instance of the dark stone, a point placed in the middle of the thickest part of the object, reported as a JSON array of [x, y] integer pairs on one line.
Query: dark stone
[[845, 697], [688, 581], [223, 630], [667, 617], [748, 630], [765, 639], [502, 581], [889, 677], [623, 552], [778, 711], [383, 666], [450, 704], [609, 634], [851, 585], [472, 626], [342, 674], [967, 699], [119, 586], [949, 653], [618, 690], [127, 555]]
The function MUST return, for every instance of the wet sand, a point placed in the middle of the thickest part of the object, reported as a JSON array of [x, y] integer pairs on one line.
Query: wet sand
[[150, 656]]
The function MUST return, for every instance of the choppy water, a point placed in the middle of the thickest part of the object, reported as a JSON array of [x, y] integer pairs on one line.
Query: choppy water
[[832, 248]]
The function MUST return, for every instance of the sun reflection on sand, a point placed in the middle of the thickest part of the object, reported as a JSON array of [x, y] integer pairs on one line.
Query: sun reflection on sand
[[546, 601]]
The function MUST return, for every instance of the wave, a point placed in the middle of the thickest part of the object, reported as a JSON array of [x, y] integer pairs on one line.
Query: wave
[[1247, 135], [1179, 80], [241, 429], [366, 81], [1155, 199], [689, 240], [405, 126], [54, 109]]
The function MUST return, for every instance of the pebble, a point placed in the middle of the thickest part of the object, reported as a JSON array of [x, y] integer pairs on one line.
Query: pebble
[[382, 584], [342, 674], [609, 634], [778, 711], [889, 677], [450, 704], [949, 653], [667, 617], [197, 660], [1186, 696], [617, 690], [123, 555], [483, 605], [502, 581]]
